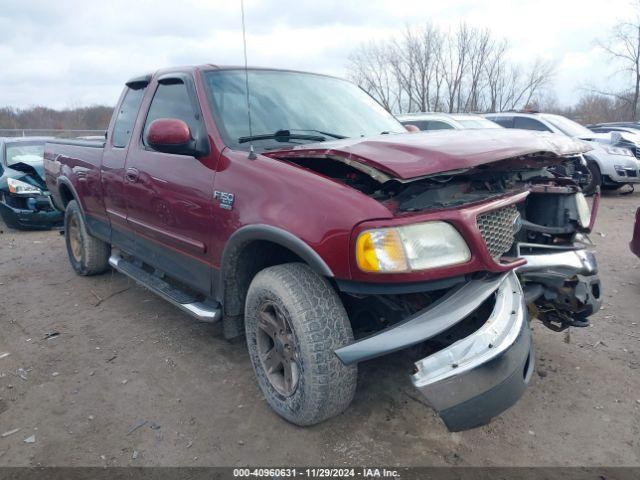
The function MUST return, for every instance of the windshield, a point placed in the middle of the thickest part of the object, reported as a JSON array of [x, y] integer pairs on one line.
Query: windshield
[[29, 153], [568, 127], [300, 103], [477, 123]]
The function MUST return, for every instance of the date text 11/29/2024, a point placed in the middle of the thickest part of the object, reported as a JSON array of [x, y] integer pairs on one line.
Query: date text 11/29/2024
[[363, 472]]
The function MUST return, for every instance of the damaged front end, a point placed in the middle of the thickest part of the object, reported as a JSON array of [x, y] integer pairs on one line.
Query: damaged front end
[[482, 354], [25, 202], [560, 278], [467, 328]]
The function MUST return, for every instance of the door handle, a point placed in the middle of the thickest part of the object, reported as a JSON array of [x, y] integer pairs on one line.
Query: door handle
[[132, 175]]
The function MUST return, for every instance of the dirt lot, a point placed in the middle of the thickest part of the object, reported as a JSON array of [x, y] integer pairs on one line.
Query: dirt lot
[[124, 357]]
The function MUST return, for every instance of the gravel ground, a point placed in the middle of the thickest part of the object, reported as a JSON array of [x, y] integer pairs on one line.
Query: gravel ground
[[125, 359]]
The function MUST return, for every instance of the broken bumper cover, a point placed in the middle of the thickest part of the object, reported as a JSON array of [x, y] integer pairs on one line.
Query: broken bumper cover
[[556, 267], [32, 218], [480, 376]]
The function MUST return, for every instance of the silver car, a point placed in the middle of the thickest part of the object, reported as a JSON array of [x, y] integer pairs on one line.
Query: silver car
[[612, 162]]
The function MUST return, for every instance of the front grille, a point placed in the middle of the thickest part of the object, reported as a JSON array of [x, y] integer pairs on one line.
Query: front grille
[[498, 229]]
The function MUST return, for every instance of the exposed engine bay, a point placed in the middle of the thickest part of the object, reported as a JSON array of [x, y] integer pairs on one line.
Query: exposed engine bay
[[555, 219], [443, 190]]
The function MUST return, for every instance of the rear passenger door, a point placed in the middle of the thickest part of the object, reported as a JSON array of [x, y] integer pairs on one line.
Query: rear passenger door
[[113, 164], [170, 196]]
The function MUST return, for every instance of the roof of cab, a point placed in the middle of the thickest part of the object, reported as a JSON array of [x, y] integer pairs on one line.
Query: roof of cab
[[146, 78]]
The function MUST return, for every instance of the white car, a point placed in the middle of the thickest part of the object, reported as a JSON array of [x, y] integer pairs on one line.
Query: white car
[[446, 121], [612, 161]]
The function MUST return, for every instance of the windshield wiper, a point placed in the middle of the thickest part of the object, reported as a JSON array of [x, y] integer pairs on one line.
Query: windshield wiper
[[281, 136], [326, 134]]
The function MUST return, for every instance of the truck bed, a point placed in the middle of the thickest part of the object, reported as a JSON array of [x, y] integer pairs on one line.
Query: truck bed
[[76, 164]]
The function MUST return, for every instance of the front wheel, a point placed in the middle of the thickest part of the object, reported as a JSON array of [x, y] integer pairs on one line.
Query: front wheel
[[595, 179], [294, 322], [88, 255]]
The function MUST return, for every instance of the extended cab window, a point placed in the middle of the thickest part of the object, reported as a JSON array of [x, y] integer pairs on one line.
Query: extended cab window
[[527, 123], [172, 101], [127, 117]]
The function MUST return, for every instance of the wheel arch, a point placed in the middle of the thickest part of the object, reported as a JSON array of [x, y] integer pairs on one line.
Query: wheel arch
[[66, 192], [253, 248]]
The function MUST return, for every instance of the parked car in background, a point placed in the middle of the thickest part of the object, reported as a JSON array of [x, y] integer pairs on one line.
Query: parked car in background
[[631, 127], [635, 240], [611, 164], [446, 121], [24, 198]]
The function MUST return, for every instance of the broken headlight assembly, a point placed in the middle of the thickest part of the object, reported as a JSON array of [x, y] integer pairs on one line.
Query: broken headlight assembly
[[420, 246], [18, 187]]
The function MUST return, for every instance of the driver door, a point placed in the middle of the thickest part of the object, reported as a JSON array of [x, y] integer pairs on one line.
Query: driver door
[[169, 196]]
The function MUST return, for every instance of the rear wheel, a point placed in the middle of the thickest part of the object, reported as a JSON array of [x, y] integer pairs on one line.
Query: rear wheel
[[294, 322], [88, 255]]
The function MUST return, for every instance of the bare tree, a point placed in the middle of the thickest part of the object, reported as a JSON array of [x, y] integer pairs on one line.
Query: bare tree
[[414, 59], [461, 70], [623, 47], [370, 67]]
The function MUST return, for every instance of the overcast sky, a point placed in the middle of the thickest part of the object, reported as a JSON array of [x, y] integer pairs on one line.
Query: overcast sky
[[78, 52]]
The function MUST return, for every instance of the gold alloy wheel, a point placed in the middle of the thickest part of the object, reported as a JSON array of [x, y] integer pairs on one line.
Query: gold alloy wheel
[[75, 238]]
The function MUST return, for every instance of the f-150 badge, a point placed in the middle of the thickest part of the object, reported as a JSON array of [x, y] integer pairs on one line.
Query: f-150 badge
[[226, 199]]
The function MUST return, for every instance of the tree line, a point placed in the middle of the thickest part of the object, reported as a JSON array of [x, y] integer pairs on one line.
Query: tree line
[[80, 118]]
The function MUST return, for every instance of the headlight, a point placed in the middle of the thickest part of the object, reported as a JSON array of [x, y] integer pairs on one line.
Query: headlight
[[618, 151], [584, 211], [413, 247], [22, 188]]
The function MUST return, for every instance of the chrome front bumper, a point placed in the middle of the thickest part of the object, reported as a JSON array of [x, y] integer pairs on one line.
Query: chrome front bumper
[[565, 278], [566, 262], [480, 376]]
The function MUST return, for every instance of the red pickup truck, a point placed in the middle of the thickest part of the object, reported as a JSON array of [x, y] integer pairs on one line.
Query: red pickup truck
[[316, 226]]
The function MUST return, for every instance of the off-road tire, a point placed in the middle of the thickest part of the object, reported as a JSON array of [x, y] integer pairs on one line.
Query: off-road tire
[[319, 325], [596, 178], [92, 254]]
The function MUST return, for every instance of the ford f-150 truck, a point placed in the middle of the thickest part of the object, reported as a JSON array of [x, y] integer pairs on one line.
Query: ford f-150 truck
[[297, 211]]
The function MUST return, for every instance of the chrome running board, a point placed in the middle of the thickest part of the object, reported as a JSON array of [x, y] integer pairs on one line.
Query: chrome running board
[[203, 311]]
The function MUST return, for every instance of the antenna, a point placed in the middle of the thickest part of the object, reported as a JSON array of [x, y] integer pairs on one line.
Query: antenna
[[252, 153]]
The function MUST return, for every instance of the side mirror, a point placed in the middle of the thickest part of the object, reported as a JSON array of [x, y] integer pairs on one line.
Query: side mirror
[[171, 135], [411, 128]]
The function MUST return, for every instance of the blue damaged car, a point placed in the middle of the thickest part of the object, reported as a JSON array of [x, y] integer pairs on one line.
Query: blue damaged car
[[25, 202]]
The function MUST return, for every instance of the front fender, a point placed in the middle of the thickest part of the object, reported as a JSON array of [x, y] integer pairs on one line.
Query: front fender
[[275, 235]]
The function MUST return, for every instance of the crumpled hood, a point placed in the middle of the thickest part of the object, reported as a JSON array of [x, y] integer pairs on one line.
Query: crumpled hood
[[413, 155], [33, 175]]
